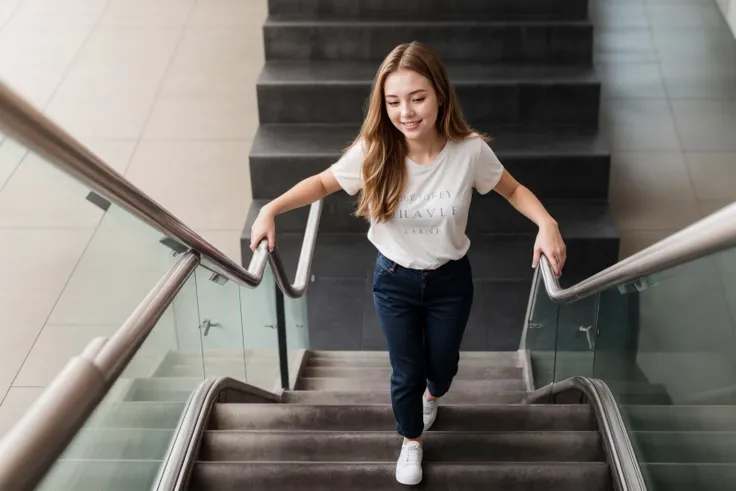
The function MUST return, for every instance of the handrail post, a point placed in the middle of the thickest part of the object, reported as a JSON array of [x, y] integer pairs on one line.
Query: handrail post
[[281, 331]]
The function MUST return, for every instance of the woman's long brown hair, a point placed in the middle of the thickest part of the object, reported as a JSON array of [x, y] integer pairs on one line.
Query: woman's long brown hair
[[384, 168]]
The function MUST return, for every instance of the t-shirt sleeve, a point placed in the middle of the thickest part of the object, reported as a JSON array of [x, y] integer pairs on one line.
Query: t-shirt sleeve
[[348, 171], [488, 169]]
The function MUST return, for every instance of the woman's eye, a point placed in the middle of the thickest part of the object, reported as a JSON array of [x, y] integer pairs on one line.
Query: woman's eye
[[393, 104], [419, 100]]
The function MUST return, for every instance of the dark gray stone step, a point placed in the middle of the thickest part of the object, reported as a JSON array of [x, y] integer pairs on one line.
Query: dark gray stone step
[[390, 9], [316, 446], [554, 163], [343, 267], [367, 358], [489, 214], [336, 383], [466, 358], [683, 446], [305, 92], [330, 476], [342, 397], [291, 37], [680, 418], [465, 372], [688, 477], [588, 230], [381, 418]]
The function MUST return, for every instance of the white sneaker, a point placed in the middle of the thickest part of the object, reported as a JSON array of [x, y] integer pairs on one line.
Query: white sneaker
[[409, 466], [429, 412]]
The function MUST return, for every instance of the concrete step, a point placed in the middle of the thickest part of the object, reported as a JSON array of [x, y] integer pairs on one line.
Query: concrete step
[[579, 219], [491, 358], [388, 9], [465, 372], [228, 476], [381, 418], [304, 92], [322, 397], [592, 246], [320, 446], [687, 477], [346, 384], [680, 418], [384, 362], [293, 37], [553, 162]]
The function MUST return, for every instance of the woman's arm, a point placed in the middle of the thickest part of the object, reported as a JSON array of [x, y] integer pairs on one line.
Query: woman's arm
[[549, 241], [306, 192]]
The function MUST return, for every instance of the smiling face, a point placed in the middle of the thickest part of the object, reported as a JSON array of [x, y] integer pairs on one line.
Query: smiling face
[[411, 104]]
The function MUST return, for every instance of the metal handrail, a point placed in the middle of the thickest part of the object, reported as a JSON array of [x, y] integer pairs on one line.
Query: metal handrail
[[35, 442], [175, 471], [619, 450], [23, 122], [712, 234]]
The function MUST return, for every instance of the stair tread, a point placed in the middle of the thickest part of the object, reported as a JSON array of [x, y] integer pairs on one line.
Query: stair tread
[[491, 417], [380, 397], [337, 383], [465, 372], [480, 355], [381, 446], [302, 72], [433, 19], [583, 219], [304, 140], [392, 433], [356, 476]]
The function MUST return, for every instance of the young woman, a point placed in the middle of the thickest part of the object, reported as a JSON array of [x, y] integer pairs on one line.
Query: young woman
[[416, 161]]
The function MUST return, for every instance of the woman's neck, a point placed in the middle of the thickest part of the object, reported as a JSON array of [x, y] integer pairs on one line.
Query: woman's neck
[[422, 151]]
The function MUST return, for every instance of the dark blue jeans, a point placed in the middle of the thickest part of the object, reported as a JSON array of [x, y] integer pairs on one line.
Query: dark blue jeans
[[423, 314]]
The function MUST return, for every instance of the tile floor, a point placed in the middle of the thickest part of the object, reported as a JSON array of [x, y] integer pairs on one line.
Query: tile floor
[[164, 91]]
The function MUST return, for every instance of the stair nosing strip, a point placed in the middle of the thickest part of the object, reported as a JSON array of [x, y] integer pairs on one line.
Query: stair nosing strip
[[393, 432], [284, 21], [494, 463]]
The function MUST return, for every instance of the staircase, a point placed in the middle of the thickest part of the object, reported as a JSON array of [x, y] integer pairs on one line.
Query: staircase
[[523, 73], [336, 431]]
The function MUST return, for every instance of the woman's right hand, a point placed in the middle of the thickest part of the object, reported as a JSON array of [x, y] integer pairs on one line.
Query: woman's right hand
[[263, 228]]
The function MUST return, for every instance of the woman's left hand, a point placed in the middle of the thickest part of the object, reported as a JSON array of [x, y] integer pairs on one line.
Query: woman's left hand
[[549, 242]]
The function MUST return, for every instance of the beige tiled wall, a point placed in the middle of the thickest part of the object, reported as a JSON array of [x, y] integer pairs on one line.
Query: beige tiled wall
[[162, 90]]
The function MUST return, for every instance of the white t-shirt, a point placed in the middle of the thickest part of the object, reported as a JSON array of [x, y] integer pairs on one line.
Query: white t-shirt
[[428, 229]]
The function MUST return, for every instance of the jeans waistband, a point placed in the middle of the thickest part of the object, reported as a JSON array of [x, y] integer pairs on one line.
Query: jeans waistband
[[390, 265]]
